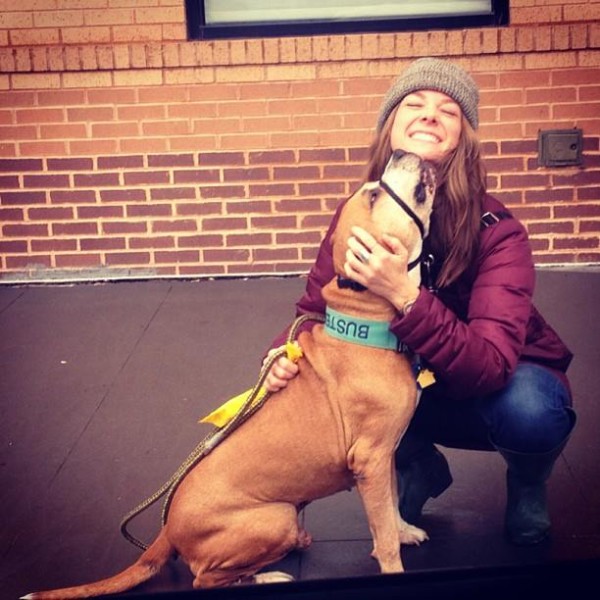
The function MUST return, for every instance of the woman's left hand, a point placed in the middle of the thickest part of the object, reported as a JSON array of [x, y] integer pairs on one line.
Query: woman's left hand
[[381, 267]]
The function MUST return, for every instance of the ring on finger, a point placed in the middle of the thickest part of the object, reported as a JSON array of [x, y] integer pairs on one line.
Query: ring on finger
[[364, 256]]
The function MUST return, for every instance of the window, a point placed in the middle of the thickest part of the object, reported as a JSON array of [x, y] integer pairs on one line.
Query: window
[[211, 19]]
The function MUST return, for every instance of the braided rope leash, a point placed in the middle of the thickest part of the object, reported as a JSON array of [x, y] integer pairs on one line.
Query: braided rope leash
[[254, 402]]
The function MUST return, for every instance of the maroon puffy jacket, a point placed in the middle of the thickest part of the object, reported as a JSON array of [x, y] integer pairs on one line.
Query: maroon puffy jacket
[[472, 333]]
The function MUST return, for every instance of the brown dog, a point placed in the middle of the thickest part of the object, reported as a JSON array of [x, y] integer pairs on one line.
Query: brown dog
[[335, 425]]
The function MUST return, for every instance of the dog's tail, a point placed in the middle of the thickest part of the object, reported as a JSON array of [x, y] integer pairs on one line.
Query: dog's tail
[[147, 565]]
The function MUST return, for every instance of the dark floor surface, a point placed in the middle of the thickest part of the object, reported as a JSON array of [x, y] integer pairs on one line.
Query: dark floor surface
[[101, 387]]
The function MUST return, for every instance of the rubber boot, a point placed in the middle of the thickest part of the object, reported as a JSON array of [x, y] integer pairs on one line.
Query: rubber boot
[[527, 521], [423, 473]]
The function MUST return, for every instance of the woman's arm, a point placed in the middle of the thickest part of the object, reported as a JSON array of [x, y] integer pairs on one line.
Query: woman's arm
[[478, 355]]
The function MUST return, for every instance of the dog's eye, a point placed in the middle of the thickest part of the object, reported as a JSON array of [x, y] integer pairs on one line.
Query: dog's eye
[[420, 193]]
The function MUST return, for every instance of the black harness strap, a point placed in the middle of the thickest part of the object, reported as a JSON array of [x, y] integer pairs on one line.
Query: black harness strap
[[407, 209]]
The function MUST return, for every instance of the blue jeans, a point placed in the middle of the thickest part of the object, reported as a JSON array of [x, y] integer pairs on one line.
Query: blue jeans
[[531, 414]]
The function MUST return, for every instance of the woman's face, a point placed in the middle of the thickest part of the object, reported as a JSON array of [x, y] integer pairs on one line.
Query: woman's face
[[427, 123]]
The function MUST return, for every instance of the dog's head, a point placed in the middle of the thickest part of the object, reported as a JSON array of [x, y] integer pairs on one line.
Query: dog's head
[[399, 204]]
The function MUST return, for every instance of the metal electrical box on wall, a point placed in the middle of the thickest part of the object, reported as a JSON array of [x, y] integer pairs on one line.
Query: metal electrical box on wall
[[560, 147]]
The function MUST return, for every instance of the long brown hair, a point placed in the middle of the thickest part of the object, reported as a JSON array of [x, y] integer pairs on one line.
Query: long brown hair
[[455, 222]]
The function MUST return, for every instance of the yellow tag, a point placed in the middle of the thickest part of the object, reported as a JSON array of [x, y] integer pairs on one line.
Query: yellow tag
[[293, 351], [222, 415], [425, 378]]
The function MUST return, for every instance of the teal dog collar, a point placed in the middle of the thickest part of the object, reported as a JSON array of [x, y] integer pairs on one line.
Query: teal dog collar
[[360, 331]]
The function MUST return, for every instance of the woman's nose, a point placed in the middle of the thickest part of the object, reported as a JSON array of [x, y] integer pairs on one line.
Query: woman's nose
[[429, 112]]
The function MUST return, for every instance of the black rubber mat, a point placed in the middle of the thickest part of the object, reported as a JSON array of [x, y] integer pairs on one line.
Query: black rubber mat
[[101, 387]]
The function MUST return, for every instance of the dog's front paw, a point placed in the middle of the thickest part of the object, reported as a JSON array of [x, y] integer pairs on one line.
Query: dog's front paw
[[409, 534]]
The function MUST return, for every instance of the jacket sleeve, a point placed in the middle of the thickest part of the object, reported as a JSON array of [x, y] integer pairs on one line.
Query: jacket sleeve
[[477, 355], [321, 273]]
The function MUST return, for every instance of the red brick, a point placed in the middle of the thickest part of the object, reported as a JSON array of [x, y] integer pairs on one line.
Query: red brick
[[120, 162], [201, 241], [177, 256], [149, 210], [575, 243], [223, 191], [103, 243], [96, 179], [275, 222], [123, 195], [11, 214], [249, 239], [589, 193], [54, 245], [127, 258], [146, 243], [199, 208], [9, 182], [28, 262], [321, 188], [123, 227], [551, 195], [323, 155], [146, 177], [274, 189], [296, 205], [224, 224], [72, 196], [196, 176], [99, 212], [173, 193], [589, 226], [550, 227], [226, 256], [74, 228], [46, 181], [269, 157], [246, 174], [25, 230], [16, 198], [70, 164], [525, 181], [174, 226], [50, 214], [220, 158], [249, 206], [296, 173], [79, 261], [517, 147], [14, 247], [269, 254], [300, 238], [171, 160], [20, 165]]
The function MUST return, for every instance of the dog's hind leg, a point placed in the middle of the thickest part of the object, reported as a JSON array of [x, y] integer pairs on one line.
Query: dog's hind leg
[[251, 540]]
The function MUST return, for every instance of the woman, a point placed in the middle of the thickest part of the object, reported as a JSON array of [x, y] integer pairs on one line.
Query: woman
[[499, 368]]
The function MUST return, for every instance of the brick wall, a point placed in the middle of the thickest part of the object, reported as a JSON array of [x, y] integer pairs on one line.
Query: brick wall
[[127, 151]]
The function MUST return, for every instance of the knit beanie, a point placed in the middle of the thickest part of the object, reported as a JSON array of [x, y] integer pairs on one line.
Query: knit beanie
[[433, 74]]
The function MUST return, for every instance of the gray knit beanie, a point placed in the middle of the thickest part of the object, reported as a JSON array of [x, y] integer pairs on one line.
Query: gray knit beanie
[[433, 74]]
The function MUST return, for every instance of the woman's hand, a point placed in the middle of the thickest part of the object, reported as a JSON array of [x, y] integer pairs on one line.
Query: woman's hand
[[281, 372], [380, 267]]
